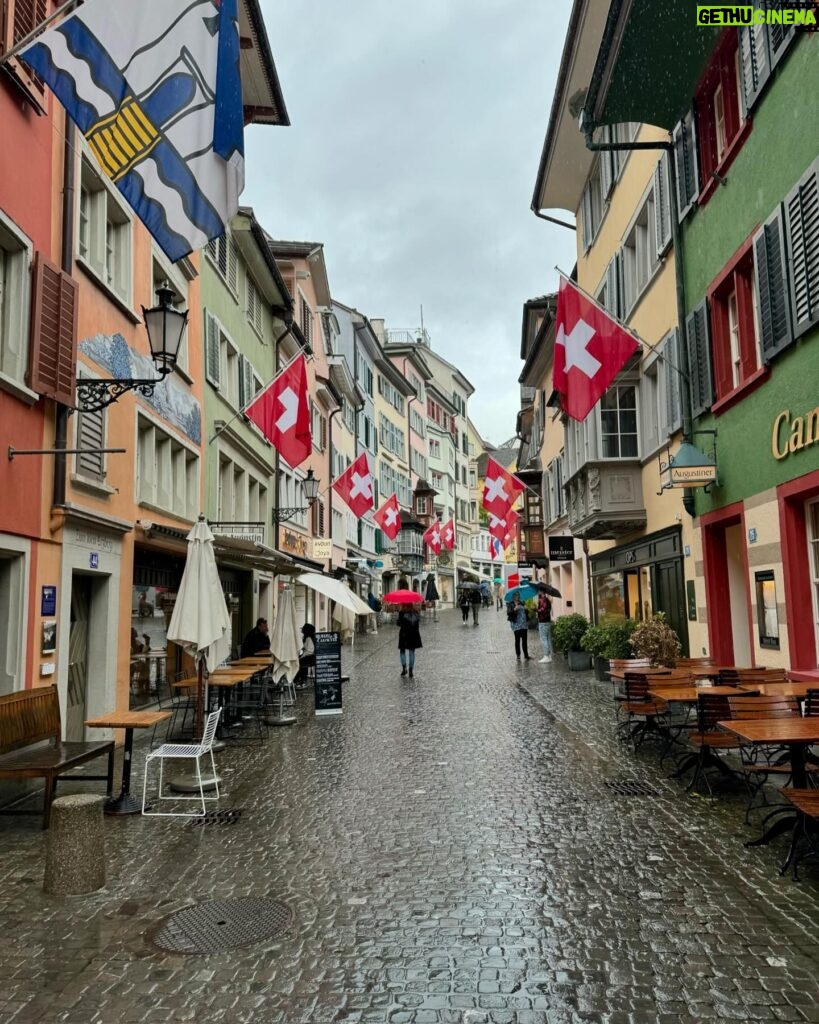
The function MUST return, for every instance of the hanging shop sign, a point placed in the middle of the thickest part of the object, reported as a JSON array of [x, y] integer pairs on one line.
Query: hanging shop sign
[[561, 549], [293, 543], [328, 673], [322, 550], [689, 467]]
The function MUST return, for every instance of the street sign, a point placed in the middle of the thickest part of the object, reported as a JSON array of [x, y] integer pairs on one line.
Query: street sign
[[328, 674]]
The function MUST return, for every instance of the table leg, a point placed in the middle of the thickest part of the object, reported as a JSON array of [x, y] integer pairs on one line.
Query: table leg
[[125, 803]]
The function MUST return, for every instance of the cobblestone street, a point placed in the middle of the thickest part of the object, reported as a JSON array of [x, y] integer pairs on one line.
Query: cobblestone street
[[450, 852]]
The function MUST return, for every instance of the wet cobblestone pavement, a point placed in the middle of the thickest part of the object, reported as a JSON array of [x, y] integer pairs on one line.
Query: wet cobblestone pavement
[[451, 855]]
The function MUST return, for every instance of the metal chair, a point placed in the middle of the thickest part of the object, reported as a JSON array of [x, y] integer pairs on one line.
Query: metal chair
[[184, 751], [759, 763]]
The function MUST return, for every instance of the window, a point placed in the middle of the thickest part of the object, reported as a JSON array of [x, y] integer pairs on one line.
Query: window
[[393, 481], [18, 21], [761, 47], [318, 426], [390, 436], [684, 141], [391, 394], [618, 422], [226, 369], [306, 319], [104, 235], [719, 113], [593, 204], [639, 255], [421, 506], [254, 306], [15, 301], [418, 463], [801, 208], [434, 448], [222, 252], [555, 503], [734, 332], [417, 423], [167, 473]]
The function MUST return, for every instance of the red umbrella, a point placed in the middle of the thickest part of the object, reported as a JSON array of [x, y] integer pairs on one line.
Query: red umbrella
[[403, 597]]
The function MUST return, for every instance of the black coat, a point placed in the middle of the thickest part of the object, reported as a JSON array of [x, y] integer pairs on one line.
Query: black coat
[[254, 642], [409, 633]]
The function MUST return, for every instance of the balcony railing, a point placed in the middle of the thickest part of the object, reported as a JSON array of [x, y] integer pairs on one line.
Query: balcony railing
[[605, 500]]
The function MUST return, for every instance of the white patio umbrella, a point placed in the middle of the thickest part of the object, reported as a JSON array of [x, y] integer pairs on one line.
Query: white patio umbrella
[[284, 649], [345, 618], [200, 621]]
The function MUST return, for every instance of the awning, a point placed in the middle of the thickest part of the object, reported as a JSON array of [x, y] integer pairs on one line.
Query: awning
[[336, 591], [650, 60], [251, 554], [471, 572]]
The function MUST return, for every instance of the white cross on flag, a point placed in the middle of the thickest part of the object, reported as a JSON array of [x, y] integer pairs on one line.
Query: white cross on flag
[[355, 486], [282, 413], [500, 489], [448, 535], [388, 517], [432, 538], [591, 348], [502, 527]]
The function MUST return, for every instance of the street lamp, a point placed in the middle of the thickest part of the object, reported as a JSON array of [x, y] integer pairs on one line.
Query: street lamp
[[166, 328], [311, 486]]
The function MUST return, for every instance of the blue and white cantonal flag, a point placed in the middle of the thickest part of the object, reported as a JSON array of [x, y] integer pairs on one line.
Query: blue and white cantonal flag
[[154, 87]]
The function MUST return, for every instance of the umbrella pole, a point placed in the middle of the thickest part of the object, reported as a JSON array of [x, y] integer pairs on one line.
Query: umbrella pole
[[200, 698]]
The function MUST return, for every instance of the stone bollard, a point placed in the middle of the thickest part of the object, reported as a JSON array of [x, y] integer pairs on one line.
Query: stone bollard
[[75, 846]]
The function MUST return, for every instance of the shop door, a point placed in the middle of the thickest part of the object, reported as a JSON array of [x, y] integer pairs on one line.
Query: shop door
[[668, 591], [78, 658]]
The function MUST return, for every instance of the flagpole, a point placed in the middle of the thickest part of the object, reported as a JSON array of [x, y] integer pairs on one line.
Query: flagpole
[[625, 327], [12, 53]]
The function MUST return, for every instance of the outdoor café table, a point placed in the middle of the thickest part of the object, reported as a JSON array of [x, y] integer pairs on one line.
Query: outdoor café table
[[786, 689], [620, 673], [127, 720], [795, 733]]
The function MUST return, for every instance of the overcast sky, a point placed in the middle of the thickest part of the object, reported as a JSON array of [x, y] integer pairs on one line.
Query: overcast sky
[[412, 155]]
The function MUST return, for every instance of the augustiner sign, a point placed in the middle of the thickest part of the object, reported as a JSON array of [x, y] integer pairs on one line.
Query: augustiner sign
[[793, 433]]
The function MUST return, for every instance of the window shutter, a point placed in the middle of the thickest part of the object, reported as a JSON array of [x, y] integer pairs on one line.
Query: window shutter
[[699, 360], [232, 264], [662, 206], [802, 220], [685, 160], [611, 287], [780, 38], [212, 362], [53, 333], [586, 218], [773, 301], [607, 176], [246, 382], [754, 65], [90, 435], [213, 248], [673, 398], [323, 421]]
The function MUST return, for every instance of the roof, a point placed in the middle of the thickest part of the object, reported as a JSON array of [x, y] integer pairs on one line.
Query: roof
[[261, 93], [259, 237], [532, 321], [565, 161], [313, 252]]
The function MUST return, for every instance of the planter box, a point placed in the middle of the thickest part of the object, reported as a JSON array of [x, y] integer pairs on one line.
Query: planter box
[[579, 661], [601, 669]]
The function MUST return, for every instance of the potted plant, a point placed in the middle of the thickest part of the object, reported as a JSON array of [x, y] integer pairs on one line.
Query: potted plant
[[656, 640], [595, 641], [567, 632], [531, 613]]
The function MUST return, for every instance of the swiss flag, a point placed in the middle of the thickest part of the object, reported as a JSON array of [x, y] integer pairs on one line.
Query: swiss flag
[[590, 350], [355, 486], [500, 489], [282, 412], [501, 528], [432, 538], [388, 517], [448, 535]]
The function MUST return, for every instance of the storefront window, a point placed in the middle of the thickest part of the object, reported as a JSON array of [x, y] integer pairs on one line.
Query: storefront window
[[813, 556], [151, 608], [610, 597], [766, 613]]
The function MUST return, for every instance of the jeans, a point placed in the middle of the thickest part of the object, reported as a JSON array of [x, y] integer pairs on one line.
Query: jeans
[[545, 631], [407, 657], [521, 639], [465, 613], [475, 608]]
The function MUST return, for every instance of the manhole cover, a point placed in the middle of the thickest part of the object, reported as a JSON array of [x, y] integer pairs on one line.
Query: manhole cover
[[228, 816], [627, 788], [221, 925]]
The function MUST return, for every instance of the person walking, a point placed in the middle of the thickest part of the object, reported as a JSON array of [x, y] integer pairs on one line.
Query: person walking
[[544, 626], [463, 604], [476, 605], [517, 620], [409, 637], [498, 597]]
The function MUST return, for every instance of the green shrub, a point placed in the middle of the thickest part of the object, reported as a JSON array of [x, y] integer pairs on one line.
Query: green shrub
[[568, 631], [595, 641], [620, 634]]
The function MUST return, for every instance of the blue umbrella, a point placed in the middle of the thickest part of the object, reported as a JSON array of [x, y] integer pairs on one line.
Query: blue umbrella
[[524, 592]]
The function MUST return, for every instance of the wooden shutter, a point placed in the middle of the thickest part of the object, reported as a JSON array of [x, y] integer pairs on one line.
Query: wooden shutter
[[323, 432], [318, 518], [754, 64], [232, 276], [612, 287], [802, 221], [773, 300], [212, 360], [685, 160], [247, 382], [780, 38], [607, 175], [662, 206], [699, 360], [586, 217], [673, 398], [19, 19], [53, 333], [91, 435]]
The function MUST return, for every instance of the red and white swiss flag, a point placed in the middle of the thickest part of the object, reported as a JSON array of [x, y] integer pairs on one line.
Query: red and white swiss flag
[[448, 537], [282, 412], [432, 538], [591, 348], [500, 489], [501, 527], [388, 517], [355, 486]]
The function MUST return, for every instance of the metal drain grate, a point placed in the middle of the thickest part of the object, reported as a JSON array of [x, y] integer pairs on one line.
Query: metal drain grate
[[228, 816], [626, 787], [221, 925]]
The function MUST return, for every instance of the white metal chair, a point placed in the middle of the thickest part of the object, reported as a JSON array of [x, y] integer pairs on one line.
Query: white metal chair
[[184, 751]]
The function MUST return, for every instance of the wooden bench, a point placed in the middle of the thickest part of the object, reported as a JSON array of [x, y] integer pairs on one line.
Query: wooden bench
[[31, 745]]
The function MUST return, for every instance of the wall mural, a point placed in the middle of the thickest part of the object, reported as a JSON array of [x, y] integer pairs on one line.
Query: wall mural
[[170, 401]]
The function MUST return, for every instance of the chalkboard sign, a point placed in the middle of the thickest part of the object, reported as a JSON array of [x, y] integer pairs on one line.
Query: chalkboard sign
[[328, 674]]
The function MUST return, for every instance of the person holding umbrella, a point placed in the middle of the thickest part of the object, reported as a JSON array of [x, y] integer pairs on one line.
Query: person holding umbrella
[[463, 604], [409, 637], [475, 598], [544, 625], [431, 596], [516, 614]]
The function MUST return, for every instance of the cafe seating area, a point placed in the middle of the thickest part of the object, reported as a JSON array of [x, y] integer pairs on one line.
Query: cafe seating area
[[731, 724]]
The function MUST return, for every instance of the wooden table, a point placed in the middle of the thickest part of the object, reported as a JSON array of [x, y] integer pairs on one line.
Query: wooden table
[[690, 694], [127, 720], [786, 689], [620, 673]]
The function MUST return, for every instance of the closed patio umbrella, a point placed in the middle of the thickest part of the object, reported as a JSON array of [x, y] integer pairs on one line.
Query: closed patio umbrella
[[284, 649], [200, 622]]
